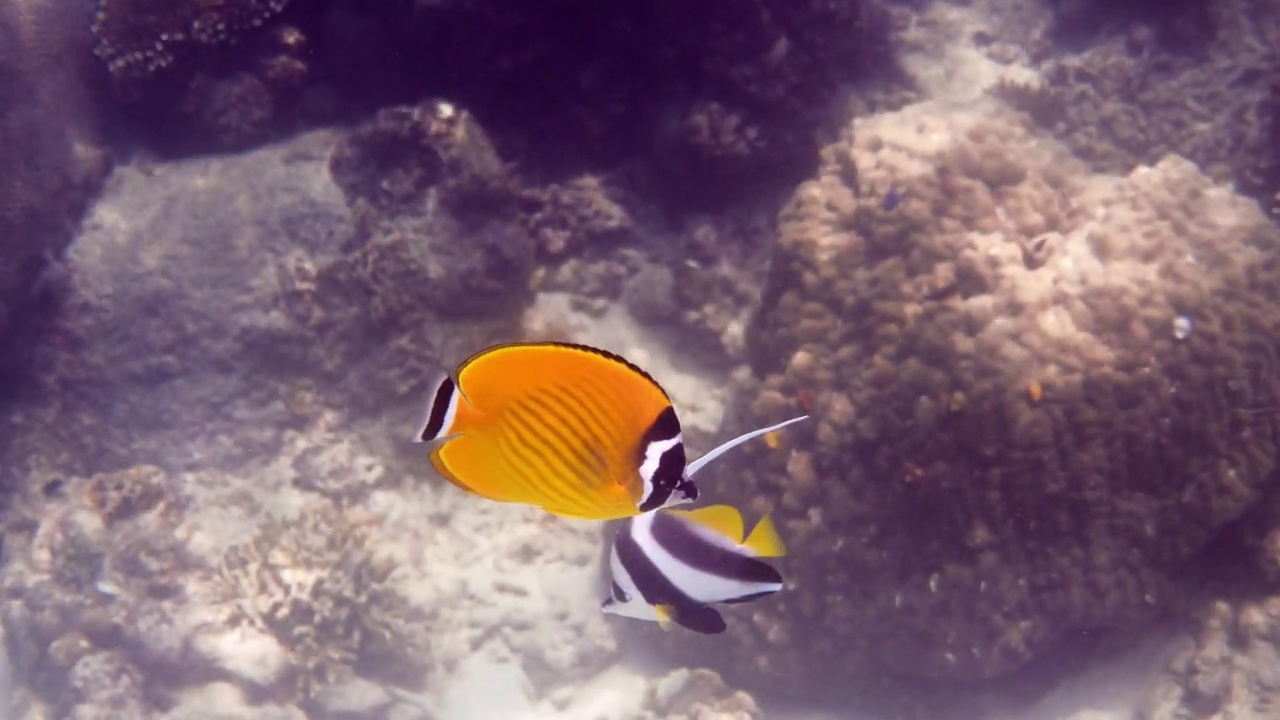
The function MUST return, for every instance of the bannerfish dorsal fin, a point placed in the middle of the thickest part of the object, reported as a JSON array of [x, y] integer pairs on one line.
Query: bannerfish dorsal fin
[[765, 541], [724, 447], [721, 519]]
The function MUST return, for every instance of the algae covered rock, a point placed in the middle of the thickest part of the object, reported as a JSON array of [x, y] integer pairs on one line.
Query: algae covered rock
[[429, 174], [200, 288], [1029, 389]]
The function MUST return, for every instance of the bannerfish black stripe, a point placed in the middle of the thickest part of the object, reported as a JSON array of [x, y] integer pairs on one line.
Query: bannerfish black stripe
[[653, 584], [617, 593], [662, 462], [685, 544], [440, 414]]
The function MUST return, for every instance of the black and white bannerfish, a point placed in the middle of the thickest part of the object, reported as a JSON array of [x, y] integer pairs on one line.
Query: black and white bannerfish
[[671, 566]]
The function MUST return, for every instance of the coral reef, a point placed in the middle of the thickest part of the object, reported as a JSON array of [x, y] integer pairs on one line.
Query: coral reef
[[1138, 94], [111, 609], [1026, 385], [316, 586], [139, 37], [729, 96], [90, 591], [418, 180]]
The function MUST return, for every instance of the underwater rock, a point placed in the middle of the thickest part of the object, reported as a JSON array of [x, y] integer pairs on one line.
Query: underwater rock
[[219, 297], [405, 157], [999, 453], [50, 166], [699, 694]]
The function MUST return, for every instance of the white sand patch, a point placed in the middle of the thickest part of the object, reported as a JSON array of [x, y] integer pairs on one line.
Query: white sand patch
[[943, 59]]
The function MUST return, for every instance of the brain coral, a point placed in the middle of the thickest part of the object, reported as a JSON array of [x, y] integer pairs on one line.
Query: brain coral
[[1026, 384]]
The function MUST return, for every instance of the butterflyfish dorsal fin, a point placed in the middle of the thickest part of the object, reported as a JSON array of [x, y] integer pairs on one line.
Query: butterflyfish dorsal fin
[[666, 616], [721, 519], [764, 540]]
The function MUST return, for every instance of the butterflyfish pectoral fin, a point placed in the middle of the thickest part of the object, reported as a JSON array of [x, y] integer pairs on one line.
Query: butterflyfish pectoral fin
[[764, 540], [702, 462], [666, 616], [721, 519]]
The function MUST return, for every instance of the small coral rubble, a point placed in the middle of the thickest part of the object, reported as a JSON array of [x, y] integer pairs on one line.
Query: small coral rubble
[[108, 607], [1231, 670], [91, 590]]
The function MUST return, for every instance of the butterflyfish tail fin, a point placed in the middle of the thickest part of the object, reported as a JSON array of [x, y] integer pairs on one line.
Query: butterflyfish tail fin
[[764, 540], [444, 410], [702, 462], [721, 519]]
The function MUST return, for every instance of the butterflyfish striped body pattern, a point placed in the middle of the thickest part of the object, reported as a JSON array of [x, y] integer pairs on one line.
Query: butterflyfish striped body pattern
[[577, 431]]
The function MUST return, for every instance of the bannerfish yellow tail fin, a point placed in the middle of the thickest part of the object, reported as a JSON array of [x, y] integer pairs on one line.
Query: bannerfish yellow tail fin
[[721, 519], [666, 616], [765, 541], [702, 462]]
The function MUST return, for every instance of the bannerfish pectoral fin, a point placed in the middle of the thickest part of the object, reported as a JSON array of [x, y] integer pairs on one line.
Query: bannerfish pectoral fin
[[723, 520], [700, 619], [764, 540], [702, 462]]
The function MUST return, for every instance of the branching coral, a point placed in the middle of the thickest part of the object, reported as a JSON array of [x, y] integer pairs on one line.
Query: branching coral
[[139, 37], [317, 586]]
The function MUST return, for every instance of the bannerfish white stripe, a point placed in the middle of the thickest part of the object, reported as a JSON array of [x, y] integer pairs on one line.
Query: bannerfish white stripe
[[673, 565], [702, 586]]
